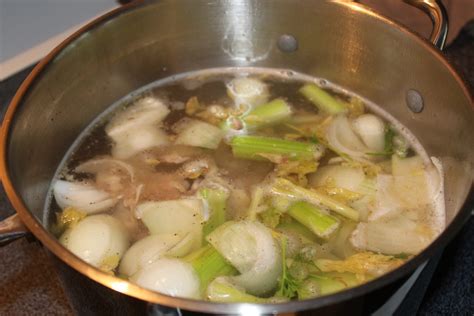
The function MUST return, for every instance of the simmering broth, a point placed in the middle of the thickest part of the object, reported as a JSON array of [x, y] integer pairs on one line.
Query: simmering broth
[[246, 185]]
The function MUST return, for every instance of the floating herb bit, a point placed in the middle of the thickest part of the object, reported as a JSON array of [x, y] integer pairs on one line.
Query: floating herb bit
[[68, 218], [287, 285]]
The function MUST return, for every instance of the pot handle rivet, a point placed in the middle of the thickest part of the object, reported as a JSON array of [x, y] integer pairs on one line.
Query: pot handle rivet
[[287, 43], [414, 101]]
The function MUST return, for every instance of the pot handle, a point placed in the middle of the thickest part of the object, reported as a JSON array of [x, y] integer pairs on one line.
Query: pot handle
[[435, 9], [12, 229], [439, 17]]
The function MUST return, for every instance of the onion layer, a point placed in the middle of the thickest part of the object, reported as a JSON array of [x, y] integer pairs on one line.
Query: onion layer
[[146, 111], [100, 240], [247, 91], [84, 197], [372, 131], [178, 217], [393, 235], [152, 248], [169, 276], [343, 176], [133, 141], [342, 138], [252, 250], [136, 128], [199, 134]]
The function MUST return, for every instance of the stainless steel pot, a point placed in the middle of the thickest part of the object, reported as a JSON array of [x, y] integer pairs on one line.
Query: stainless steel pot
[[139, 43]]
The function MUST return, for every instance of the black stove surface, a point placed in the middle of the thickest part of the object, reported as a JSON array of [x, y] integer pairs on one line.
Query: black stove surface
[[444, 287]]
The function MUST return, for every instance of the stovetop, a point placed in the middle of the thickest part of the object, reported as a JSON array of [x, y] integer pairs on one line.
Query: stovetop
[[29, 283]]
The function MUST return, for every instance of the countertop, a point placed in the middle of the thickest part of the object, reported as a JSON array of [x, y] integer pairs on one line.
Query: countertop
[[29, 284]]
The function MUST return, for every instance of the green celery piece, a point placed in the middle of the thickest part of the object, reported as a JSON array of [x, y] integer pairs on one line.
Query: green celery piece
[[295, 227], [328, 285], [255, 147], [216, 200], [284, 187], [257, 196], [225, 292], [268, 114], [403, 256], [388, 144], [331, 282], [394, 144], [325, 283], [309, 288], [321, 224], [209, 264], [322, 100], [300, 270]]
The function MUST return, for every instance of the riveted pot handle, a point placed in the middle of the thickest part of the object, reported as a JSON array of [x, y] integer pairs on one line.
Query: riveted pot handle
[[439, 17], [12, 229]]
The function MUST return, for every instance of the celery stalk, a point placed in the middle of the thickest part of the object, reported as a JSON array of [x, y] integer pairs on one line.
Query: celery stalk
[[268, 114], [362, 263], [257, 196], [216, 201], [314, 218], [309, 288], [209, 264], [328, 285], [295, 227], [220, 290], [256, 147], [322, 100], [284, 187]]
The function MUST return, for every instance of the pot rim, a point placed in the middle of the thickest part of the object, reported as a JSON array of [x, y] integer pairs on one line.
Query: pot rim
[[128, 288]]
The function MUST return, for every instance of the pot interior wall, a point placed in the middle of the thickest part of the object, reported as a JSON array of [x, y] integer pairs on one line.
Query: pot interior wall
[[339, 42]]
